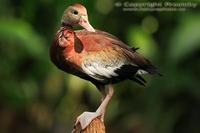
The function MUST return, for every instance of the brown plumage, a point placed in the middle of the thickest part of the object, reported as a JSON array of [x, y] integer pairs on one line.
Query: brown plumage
[[95, 55], [88, 48]]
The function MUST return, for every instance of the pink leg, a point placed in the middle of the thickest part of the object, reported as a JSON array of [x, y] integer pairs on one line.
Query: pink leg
[[86, 117]]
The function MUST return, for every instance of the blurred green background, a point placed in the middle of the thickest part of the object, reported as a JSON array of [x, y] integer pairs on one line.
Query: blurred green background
[[36, 97]]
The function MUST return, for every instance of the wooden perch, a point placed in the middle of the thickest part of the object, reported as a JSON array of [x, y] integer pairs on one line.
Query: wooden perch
[[96, 126]]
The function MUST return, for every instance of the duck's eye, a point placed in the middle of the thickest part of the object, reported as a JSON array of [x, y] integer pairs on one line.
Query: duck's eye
[[75, 12]]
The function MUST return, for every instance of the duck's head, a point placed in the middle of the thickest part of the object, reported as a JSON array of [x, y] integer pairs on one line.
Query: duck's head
[[76, 14]]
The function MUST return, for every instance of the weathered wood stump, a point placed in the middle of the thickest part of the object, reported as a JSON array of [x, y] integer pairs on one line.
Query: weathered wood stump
[[96, 126]]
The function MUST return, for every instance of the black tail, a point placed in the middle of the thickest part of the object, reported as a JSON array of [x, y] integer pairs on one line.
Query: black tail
[[138, 79], [150, 68]]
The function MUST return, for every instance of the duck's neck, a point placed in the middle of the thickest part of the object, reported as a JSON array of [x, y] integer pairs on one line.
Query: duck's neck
[[67, 26]]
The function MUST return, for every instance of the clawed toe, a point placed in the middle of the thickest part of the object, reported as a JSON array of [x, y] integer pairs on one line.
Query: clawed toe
[[86, 118]]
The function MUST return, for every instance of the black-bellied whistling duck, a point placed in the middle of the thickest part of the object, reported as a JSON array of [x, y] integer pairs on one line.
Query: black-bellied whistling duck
[[95, 56]]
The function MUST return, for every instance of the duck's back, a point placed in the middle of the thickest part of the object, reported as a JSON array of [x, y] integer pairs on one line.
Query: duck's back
[[106, 58]]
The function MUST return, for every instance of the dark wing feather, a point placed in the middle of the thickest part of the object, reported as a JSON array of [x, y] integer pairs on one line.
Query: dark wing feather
[[134, 49], [137, 81], [140, 78]]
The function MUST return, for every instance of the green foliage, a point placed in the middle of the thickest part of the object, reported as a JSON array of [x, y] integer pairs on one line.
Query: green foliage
[[15, 30], [186, 38]]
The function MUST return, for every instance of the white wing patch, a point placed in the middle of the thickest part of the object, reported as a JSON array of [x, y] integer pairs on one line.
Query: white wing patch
[[140, 72], [99, 71]]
